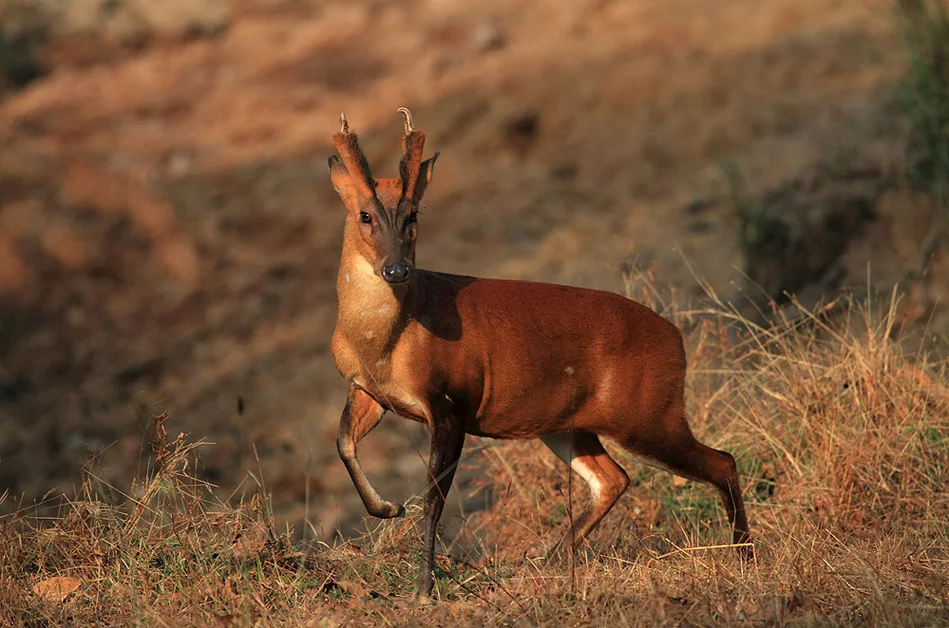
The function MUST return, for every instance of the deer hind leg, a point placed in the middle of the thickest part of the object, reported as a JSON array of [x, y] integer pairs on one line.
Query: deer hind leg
[[584, 453], [674, 448], [361, 414]]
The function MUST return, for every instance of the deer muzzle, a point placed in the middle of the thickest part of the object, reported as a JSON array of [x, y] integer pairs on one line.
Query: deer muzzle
[[396, 273]]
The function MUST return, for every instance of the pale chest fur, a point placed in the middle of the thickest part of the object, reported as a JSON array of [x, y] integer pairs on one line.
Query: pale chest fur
[[364, 342]]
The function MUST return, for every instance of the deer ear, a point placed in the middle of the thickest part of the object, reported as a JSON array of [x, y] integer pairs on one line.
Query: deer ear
[[426, 171], [342, 181], [339, 175]]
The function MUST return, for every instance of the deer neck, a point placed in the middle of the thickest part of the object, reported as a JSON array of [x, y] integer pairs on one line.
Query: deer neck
[[371, 314]]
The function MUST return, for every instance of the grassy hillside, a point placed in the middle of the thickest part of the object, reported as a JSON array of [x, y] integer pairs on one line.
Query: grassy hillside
[[165, 233], [168, 231]]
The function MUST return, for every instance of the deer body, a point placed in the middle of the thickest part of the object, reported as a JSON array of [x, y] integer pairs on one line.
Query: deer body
[[498, 358], [414, 363]]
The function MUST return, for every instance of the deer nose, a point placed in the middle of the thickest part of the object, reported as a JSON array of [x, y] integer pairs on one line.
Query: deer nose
[[396, 273]]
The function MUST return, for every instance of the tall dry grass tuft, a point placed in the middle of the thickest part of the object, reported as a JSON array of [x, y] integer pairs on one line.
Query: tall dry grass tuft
[[166, 552]]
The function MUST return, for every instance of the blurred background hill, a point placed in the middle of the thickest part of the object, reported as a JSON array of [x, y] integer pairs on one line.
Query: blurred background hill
[[169, 237]]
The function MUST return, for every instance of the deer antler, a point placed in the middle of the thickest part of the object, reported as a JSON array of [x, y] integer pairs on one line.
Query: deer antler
[[347, 145], [412, 145], [409, 127]]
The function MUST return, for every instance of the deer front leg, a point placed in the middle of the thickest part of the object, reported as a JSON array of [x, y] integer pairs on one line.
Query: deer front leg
[[448, 439], [361, 414]]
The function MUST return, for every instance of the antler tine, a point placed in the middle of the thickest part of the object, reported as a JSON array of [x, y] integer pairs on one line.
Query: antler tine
[[343, 123], [412, 145], [409, 126]]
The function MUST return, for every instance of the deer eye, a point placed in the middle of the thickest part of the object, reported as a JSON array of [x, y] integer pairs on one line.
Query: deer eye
[[364, 217]]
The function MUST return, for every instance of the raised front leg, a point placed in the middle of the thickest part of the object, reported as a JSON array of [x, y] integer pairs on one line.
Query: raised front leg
[[448, 439], [361, 414]]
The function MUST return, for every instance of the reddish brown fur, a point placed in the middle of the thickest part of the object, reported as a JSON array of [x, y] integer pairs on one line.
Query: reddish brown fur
[[409, 168], [506, 359]]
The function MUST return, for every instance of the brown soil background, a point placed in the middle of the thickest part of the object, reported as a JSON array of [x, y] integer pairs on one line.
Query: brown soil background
[[169, 236]]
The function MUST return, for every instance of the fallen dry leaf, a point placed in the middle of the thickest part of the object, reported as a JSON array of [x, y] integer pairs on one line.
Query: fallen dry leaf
[[353, 588], [56, 589]]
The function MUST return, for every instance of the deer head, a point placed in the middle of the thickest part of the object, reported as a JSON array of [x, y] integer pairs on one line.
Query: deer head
[[382, 214]]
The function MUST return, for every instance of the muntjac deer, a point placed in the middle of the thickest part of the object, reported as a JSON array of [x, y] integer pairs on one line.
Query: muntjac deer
[[496, 358]]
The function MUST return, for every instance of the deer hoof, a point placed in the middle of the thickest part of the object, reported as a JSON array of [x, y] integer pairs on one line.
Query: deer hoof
[[388, 510]]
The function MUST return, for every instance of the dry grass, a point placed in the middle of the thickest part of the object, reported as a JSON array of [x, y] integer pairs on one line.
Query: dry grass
[[842, 439]]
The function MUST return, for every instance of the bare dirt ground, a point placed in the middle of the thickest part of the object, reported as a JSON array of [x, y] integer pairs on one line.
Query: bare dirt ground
[[168, 233]]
